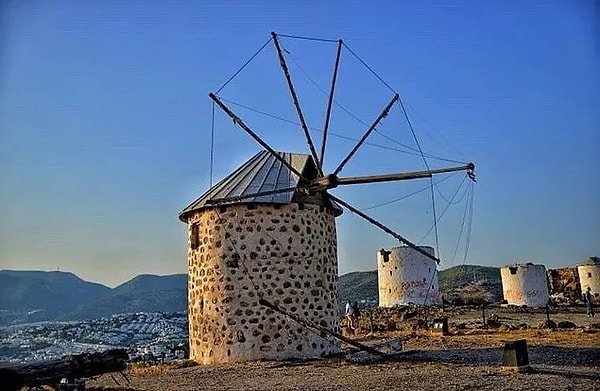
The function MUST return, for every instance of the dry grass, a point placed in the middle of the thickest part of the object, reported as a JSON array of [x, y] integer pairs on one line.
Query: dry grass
[[468, 358], [146, 368]]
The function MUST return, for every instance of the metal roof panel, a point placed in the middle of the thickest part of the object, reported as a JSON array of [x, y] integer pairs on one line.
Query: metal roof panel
[[262, 173]]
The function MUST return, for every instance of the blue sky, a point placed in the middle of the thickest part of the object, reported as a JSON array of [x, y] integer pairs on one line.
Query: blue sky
[[105, 123]]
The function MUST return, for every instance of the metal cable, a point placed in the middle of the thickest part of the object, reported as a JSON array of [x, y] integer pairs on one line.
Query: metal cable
[[406, 196], [445, 209], [462, 226], [244, 66], [370, 69], [212, 144], [426, 154], [470, 222], [386, 147], [308, 38], [413, 115], [427, 294], [434, 184], [410, 126]]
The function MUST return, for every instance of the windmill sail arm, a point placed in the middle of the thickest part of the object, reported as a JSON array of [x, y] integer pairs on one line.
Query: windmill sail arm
[[404, 175], [383, 114], [288, 78], [332, 181], [330, 102], [238, 121], [384, 228], [355, 180]]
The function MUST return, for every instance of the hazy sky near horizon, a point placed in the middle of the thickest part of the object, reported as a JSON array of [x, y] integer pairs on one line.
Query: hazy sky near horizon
[[105, 123]]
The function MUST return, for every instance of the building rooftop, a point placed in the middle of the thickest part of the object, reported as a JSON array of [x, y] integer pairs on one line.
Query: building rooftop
[[262, 173], [591, 261]]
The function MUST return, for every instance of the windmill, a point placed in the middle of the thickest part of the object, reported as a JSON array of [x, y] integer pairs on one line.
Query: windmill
[[262, 255]]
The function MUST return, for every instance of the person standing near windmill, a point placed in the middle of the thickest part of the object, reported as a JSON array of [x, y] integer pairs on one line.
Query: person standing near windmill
[[588, 298], [350, 314], [356, 315]]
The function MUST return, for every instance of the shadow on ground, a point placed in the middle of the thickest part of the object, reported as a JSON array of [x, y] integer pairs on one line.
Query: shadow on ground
[[542, 355]]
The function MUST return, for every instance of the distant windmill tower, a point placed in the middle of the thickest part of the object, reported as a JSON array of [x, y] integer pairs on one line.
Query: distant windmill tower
[[525, 284], [406, 276], [262, 250], [589, 275]]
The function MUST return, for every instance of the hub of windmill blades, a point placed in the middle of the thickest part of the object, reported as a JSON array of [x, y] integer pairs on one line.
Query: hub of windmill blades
[[323, 183]]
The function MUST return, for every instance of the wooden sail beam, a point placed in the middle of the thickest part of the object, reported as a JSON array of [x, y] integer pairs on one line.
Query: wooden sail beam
[[330, 102], [321, 329], [403, 176], [238, 121], [331, 181], [383, 114], [384, 228], [288, 78]]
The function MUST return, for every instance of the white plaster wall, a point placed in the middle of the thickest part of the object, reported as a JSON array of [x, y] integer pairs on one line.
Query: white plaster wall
[[589, 275], [527, 286], [287, 254], [406, 277]]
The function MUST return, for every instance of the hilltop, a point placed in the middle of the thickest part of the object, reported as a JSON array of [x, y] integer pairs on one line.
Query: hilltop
[[30, 296]]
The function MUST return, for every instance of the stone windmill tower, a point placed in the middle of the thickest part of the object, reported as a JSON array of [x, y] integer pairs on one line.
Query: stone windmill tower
[[525, 284], [282, 246], [589, 275], [262, 249], [405, 276]]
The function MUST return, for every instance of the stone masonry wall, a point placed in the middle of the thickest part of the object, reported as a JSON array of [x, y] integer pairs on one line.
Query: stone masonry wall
[[286, 253], [589, 276]]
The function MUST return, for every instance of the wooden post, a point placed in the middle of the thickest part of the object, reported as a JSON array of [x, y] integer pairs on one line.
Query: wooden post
[[515, 357], [440, 325], [483, 315]]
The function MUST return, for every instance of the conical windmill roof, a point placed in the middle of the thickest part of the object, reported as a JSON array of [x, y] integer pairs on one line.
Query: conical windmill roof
[[262, 173], [591, 261]]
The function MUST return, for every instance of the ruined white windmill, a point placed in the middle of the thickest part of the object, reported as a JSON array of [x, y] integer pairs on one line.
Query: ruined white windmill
[[262, 249]]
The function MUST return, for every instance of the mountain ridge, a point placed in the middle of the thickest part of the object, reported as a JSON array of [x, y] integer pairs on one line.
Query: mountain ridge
[[36, 295], [29, 296]]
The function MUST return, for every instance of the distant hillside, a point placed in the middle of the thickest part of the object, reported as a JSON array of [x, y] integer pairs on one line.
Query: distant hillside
[[358, 286], [363, 285], [29, 296], [456, 276], [144, 293], [149, 282], [45, 295]]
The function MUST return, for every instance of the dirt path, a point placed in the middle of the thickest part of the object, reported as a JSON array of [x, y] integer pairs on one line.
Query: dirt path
[[561, 360]]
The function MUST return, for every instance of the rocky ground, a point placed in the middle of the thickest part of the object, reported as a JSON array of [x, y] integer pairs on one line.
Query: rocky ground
[[468, 359]]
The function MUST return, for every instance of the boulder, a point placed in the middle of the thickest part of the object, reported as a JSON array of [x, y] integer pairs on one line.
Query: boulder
[[566, 324], [547, 324]]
